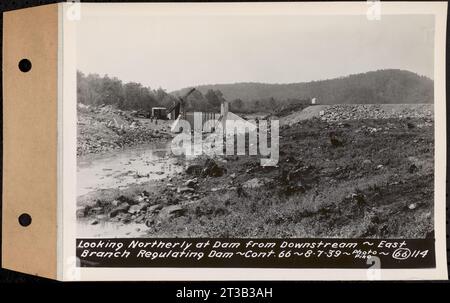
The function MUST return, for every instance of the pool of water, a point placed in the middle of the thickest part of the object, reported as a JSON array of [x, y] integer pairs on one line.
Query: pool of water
[[121, 168]]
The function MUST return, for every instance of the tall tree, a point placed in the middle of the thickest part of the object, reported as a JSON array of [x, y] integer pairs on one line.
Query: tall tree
[[237, 105], [214, 97]]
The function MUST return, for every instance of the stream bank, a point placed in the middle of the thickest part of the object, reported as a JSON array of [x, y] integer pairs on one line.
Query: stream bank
[[376, 183]]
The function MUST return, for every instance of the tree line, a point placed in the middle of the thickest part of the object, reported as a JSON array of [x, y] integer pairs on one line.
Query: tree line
[[96, 90]]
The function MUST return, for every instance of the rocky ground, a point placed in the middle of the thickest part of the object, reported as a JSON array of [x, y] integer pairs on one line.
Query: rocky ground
[[100, 129], [351, 172], [343, 112], [335, 113]]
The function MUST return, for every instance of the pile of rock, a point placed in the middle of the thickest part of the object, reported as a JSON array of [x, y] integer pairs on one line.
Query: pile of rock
[[144, 208], [342, 112], [106, 128], [209, 169]]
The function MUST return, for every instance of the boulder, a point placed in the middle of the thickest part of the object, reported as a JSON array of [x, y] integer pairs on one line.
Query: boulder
[[137, 208], [194, 169], [123, 199], [140, 198], [412, 168], [212, 169], [171, 211], [191, 183], [256, 182], [101, 217], [140, 218], [123, 207], [358, 198], [154, 208], [185, 190], [367, 162]]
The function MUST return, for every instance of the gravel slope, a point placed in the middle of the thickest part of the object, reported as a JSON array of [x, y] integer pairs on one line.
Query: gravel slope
[[343, 112]]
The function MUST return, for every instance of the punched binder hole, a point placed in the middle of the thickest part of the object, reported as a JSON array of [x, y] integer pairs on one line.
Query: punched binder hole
[[24, 65], [24, 220]]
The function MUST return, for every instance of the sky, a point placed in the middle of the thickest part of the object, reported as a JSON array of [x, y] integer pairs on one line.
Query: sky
[[177, 51]]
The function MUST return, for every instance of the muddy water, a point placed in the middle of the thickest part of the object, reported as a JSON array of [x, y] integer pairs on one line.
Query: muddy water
[[120, 168]]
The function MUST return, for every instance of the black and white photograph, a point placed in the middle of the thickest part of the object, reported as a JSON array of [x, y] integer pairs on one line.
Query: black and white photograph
[[352, 97]]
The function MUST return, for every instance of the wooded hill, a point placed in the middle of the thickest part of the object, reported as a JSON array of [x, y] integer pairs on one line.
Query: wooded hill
[[383, 86], [377, 87]]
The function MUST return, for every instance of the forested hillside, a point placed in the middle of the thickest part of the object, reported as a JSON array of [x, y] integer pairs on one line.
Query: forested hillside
[[375, 87]]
